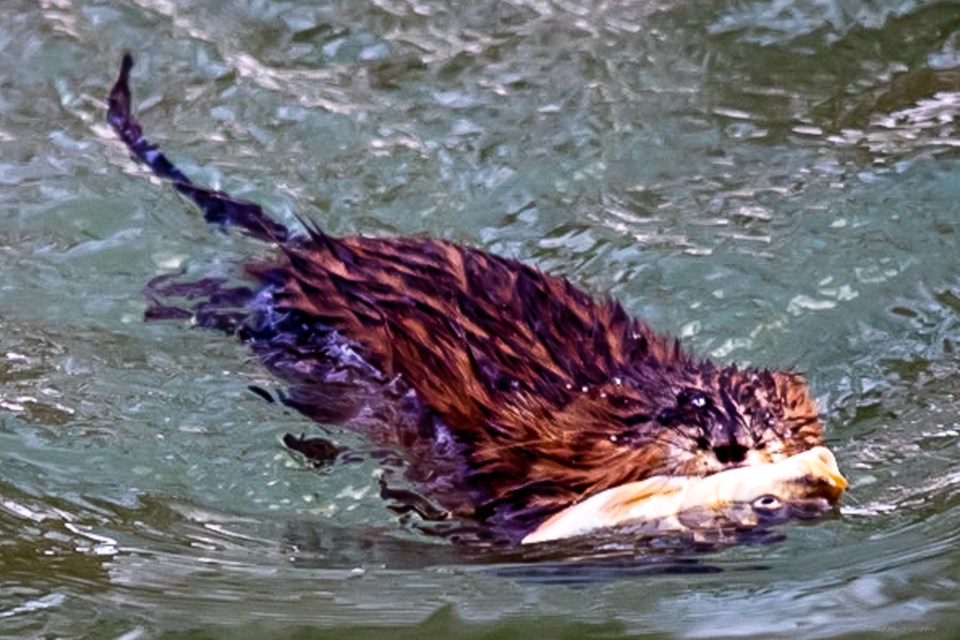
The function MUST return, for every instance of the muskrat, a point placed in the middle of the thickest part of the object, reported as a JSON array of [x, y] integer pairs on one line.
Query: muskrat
[[528, 394]]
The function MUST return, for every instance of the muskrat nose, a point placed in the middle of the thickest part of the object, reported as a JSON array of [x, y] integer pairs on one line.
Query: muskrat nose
[[730, 453]]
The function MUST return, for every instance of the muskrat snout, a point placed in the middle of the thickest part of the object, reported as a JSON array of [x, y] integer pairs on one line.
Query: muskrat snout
[[730, 453]]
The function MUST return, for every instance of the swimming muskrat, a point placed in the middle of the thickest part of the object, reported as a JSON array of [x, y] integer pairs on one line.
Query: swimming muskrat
[[519, 394]]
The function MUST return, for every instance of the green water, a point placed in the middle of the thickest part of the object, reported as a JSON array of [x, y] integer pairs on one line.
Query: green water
[[778, 182]]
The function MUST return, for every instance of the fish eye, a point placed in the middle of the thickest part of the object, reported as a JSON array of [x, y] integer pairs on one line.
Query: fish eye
[[768, 502]]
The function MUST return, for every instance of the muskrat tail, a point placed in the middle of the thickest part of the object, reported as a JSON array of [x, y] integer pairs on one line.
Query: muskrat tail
[[217, 207]]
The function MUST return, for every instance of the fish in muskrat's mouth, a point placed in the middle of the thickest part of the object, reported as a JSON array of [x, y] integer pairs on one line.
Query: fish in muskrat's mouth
[[738, 497], [511, 394]]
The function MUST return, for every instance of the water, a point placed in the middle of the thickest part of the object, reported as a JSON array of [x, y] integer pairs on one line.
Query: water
[[775, 181]]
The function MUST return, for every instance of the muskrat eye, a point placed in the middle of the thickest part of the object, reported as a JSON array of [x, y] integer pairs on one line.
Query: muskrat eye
[[693, 398]]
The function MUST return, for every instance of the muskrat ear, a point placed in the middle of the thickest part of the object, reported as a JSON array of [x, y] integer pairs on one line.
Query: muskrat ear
[[792, 391], [799, 407]]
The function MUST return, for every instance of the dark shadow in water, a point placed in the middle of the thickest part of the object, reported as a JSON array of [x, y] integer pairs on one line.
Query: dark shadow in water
[[443, 623], [596, 559]]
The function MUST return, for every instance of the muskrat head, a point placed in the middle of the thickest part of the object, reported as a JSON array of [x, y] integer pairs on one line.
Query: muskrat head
[[679, 418], [725, 418]]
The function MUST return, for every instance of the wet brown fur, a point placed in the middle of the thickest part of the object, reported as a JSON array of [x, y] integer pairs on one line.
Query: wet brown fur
[[553, 395], [549, 395]]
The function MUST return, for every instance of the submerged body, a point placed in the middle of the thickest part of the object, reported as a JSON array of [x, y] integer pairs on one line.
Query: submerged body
[[519, 394]]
